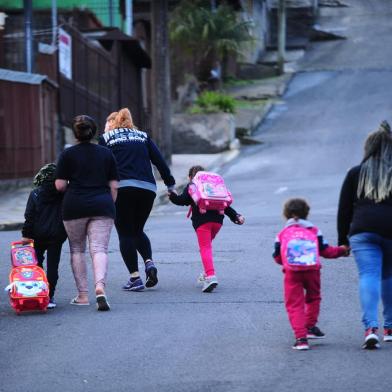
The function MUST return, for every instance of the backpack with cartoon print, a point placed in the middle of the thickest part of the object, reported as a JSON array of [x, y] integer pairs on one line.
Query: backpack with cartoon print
[[28, 288], [209, 192], [299, 248]]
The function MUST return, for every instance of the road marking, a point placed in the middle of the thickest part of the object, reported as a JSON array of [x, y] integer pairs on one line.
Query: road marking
[[280, 190]]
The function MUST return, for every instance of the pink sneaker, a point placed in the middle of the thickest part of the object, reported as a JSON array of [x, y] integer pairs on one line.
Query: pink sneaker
[[301, 344], [387, 334]]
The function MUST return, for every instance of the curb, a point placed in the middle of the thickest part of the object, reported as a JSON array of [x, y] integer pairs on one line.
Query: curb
[[11, 226]]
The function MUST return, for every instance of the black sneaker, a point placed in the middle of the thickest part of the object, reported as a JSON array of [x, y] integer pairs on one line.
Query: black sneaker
[[301, 344], [134, 284], [102, 303], [315, 333], [151, 274], [372, 340]]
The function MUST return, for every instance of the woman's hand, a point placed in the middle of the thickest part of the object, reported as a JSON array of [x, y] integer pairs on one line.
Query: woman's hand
[[113, 189], [61, 185]]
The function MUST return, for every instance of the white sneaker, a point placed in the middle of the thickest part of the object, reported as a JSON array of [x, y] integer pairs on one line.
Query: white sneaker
[[387, 334], [371, 339], [209, 284], [201, 278], [52, 304]]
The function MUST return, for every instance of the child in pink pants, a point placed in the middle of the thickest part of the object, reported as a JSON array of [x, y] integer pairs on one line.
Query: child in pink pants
[[207, 226], [298, 247]]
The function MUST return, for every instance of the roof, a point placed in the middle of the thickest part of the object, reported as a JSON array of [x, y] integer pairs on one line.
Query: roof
[[21, 77], [131, 45]]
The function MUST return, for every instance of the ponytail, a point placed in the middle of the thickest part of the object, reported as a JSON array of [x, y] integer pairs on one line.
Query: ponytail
[[123, 119]]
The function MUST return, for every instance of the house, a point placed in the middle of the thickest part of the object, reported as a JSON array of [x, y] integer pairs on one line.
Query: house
[[28, 123], [96, 70]]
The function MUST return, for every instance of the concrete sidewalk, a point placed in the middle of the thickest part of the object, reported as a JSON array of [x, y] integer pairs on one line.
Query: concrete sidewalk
[[257, 98], [13, 202]]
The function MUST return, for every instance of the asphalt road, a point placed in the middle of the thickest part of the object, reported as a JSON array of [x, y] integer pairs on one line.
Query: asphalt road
[[174, 338]]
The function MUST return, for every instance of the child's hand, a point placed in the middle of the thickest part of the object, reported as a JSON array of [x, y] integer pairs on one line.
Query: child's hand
[[169, 192], [240, 220], [346, 249]]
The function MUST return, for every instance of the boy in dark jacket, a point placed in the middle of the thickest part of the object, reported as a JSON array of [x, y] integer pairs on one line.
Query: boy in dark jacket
[[44, 225]]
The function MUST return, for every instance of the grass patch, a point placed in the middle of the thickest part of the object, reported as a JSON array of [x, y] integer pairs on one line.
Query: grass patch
[[213, 102]]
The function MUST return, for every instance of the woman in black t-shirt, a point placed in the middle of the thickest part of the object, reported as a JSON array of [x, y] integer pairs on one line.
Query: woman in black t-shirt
[[87, 173], [365, 222]]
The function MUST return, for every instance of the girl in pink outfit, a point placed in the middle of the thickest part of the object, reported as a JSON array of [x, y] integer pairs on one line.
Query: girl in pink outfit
[[207, 226], [298, 248]]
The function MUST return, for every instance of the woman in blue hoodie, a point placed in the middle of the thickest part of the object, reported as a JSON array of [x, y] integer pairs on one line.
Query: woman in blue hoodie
[[135, 152]]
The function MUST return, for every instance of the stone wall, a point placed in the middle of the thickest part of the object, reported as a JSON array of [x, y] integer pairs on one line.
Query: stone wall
[[202, 133]]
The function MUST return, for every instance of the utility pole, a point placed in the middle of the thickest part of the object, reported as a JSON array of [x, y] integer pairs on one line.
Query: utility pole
[[54, 22], [161, 97], [111, 14], [129, 16], [29, 54], [281, 35], [315, 7]]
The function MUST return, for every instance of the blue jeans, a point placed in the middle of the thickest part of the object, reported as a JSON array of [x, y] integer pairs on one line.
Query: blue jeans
[[373, 255]]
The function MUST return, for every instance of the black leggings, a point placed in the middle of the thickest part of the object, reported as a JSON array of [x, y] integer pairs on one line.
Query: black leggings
[[53, 254], [133, 207]]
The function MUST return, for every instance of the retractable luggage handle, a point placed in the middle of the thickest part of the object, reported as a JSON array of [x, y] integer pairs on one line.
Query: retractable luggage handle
[[19, 244]]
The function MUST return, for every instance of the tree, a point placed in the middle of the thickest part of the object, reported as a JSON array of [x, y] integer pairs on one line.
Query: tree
[[208, 35]]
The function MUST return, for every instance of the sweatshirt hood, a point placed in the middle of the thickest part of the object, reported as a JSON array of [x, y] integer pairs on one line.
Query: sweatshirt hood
[[301, 222]]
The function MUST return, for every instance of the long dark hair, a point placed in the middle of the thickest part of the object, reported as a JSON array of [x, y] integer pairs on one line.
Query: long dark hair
[[375, 178]]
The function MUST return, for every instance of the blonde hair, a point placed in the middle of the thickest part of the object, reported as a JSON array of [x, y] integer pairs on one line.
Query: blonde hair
[[123, 119], [110, 121], [375, 177], [111, 116]]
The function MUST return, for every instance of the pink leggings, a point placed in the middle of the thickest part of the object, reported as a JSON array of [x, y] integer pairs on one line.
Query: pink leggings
[[97, 229], [205, 234]]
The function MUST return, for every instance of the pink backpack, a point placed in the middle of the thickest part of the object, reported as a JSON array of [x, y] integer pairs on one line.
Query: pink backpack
[[299, 248], [209, 192]]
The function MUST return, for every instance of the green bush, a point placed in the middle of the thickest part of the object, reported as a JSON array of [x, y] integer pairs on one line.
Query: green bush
[[213, 102]]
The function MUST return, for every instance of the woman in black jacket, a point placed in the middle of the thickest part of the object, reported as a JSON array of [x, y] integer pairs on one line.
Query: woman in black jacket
[[365, 222], [134, 152], [44, 224]]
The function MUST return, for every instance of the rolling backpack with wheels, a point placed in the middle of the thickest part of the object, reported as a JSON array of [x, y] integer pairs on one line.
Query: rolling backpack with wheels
[[29, 287]]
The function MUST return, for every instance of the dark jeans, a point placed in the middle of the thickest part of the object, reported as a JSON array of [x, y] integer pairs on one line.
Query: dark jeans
[[53, 254], [133, 207]]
